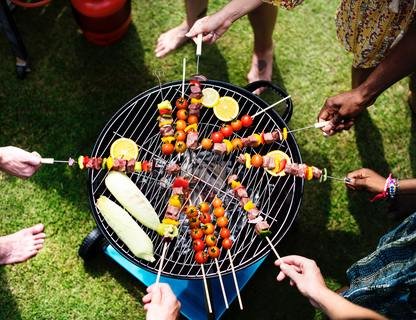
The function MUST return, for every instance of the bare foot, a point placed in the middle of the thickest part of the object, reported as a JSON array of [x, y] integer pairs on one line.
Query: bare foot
[[171, 40], [261, 67], [22, 245]]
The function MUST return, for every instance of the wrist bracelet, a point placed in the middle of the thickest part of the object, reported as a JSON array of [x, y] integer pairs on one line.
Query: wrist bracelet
[[390, 190]]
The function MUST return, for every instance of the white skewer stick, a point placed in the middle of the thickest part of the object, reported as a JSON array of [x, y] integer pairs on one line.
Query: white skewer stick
[[206, 288], [224, 295], [273, 249], [269, 107], [51, 161], [162, 258], [183, 77], [198, 50], [237, 288], [317, 125]]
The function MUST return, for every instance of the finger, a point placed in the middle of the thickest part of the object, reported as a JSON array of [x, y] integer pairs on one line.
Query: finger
[[147, 298], [156, 294], [281, 276], [291, 273], [291, 283], [292, 260]]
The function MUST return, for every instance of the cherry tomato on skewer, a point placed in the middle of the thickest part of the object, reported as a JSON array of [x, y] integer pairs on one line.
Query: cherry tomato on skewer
[[198, 245], [246, 120], [204, 207], [180, 125], [180, 146], [180, 135], [205, 217], [182, 114], [222, 221], [206, 144], [214, 252], [217, 202], [219, 212], [191, 212], [168, 148], [211, 240], [257, 160], [226, 130], [217, 137], [208, 228], [227, 243], [192, 119], [236, 125], [237, 144], [181, 103], [197, 233], [195, 223], [201, 257], [225, 233]]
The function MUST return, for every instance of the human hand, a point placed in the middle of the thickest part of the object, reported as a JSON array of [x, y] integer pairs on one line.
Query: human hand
[[341, 110], [212, 28], [366, 179], [19, 162], [161, 303], [305, 274]]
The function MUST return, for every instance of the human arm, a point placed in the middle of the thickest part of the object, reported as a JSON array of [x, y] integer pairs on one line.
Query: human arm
[[306, 276], [18, 162], [161, 303], [214, 26], [371, 181], [342, 109]]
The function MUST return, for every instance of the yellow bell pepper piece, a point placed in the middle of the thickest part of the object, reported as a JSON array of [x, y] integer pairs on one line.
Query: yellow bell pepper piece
[[249, 205], [164, 105], [175, 201], [169, 139], [110, 163], [284, 133], [228, 145], [258, 137], [196, 101], [248, 160], [170, 221], [193, 127], [138, 166], [235, 184], [309, 173]]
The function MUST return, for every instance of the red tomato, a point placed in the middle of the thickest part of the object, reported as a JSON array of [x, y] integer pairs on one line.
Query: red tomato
[[227, 243], [167, 148], [205, 217], [192, 119], [219, 212], [182, 114], [191, 212], [208, 228], [237, 144], [180, 125], [204, 207], [225, 233], [198, 245], [206, 143], [180, 146], [217, 202], [236, 125], [85, 160], [181, 103], [196, 233], [214, 252], [217, 137], [180, 135], [211, 240], [222, 221], [257, 160], [201, 257], [195, 223], [282, 164], [180, 182], [246, 120], [226, 130]]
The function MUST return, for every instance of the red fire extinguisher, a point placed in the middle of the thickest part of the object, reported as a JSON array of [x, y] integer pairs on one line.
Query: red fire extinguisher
[[103, 22]]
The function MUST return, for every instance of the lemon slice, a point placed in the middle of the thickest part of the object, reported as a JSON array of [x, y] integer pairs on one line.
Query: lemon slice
[[210, 97], [278, 155], [124, 148], [226, 109]]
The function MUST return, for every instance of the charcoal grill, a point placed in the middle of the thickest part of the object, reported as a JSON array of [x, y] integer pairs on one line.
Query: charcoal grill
[[278, 198]]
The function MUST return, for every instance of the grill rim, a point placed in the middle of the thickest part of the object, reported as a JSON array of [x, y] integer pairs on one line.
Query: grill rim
[[298, 184]]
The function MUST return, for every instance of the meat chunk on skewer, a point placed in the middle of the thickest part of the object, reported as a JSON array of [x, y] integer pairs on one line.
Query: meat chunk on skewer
[[173, 168], [261, 227], [268, 163], [192, 140], [220, 148]]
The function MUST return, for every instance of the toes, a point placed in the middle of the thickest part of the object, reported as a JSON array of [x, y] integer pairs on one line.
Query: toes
[[39, 236], [38, 246], [38, 241], [37, 228]]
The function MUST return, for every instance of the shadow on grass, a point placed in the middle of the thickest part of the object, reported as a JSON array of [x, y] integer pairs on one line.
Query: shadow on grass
[[9, 308]]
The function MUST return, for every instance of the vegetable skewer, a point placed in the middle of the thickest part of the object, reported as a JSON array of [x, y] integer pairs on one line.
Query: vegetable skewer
[[206, 288], [221, 283]]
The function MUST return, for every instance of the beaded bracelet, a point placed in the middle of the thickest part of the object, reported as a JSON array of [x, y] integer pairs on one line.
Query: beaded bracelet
[[391, 187]]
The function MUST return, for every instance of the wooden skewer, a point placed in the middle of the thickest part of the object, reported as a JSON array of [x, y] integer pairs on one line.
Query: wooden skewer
[[269, 107], [224, 295], [183, 77], [206, 288], [316, 125], [162, 258], [273, 249], [237, 289], [198, 50]]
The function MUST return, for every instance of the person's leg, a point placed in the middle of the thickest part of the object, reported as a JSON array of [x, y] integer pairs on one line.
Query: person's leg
[[175, 37], [412, 92], [263, 20], [22, 245]]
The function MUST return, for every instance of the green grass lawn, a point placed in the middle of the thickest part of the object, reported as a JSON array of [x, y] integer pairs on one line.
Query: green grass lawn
[[75, 87]]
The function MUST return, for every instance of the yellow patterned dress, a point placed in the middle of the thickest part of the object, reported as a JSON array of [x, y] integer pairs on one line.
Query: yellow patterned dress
[[368, 28]]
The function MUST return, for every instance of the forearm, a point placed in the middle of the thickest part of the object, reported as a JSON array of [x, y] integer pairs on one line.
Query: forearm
[[400, 62], [337, 307], [238, 8], [407, 186]]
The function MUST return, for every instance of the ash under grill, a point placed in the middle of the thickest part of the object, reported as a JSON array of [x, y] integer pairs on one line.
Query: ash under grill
[[278, 198]]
